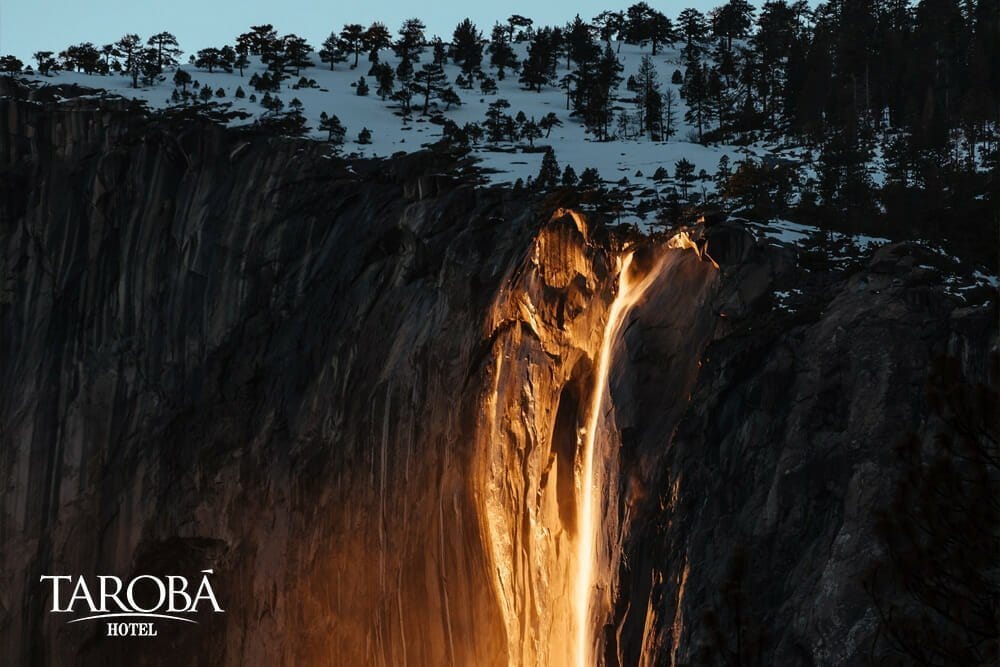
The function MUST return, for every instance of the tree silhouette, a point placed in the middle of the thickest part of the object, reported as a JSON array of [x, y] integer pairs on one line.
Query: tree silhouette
[[353, 40], [335, 130], [429, 81], [549, 174], [182, 79], [377, 37], [167, 49], [130, 49], [467, 49], [330, 51]]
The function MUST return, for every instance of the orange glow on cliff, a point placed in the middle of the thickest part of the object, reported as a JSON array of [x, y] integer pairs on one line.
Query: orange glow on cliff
[[632, 285], [630, 289]]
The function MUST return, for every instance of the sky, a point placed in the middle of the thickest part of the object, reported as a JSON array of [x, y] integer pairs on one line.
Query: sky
[[27, 26]]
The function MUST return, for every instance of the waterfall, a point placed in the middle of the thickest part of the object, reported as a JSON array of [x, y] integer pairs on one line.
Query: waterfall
[[632, 284], [547, 471]]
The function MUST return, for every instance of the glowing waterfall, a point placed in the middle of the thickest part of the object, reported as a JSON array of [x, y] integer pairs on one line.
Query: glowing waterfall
[[630, 290]]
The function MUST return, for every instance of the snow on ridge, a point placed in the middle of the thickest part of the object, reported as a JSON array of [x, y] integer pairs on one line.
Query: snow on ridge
[[335, 93], [631, 163]]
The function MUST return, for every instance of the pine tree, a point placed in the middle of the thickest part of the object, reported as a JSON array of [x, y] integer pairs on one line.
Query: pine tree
[[580, 46], [695, 93], [265, 82], [109, 51], [129, 47], [403, 95], [590, 179], [167, 51], [732, 21], [531, 131], [588, 91], [496, 119], [272, 104], [211, 59], [182, 79], [661, 31], [693, 27], [637, 20], [474, 131], [258, 38], [245, 43], [722, 174], [467, 49], [520, 119], [717, 101], [386, 79], [776, 44], [262, 40], [520, 25], [501, 54], [623, 125], [404, 72], [601, 97], [669, 118], [364, 136], [335, 130], [241, 61], [149, 66], [648, 97], [331, 52], [450, 98], [81, 58], [549, 174], [439, 51], [411, 40], [429, 81], [609, 25], [362, 87], [291, 123], [549, 121], [569, 178], [844, 181], [539, 66], [377, 37], [11, 65], [46, 64], [558, 48], [227, 55], [296, 52], [684, 173], [488, 86], [748, 69], [352, 40]]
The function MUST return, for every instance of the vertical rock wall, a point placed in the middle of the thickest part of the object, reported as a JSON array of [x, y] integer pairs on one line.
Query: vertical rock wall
[[356, 393]]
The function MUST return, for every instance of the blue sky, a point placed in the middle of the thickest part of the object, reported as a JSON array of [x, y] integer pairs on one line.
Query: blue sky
[[27, 26]]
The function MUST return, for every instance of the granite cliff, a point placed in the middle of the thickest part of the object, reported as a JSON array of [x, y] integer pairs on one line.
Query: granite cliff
[[359, 391]]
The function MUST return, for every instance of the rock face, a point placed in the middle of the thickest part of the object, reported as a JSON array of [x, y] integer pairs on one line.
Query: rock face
[[356, 393], [764, 522], [236, 354]]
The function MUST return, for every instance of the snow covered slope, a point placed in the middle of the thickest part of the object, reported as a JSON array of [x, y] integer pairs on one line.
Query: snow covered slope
[[630, 164], [336, 94]]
